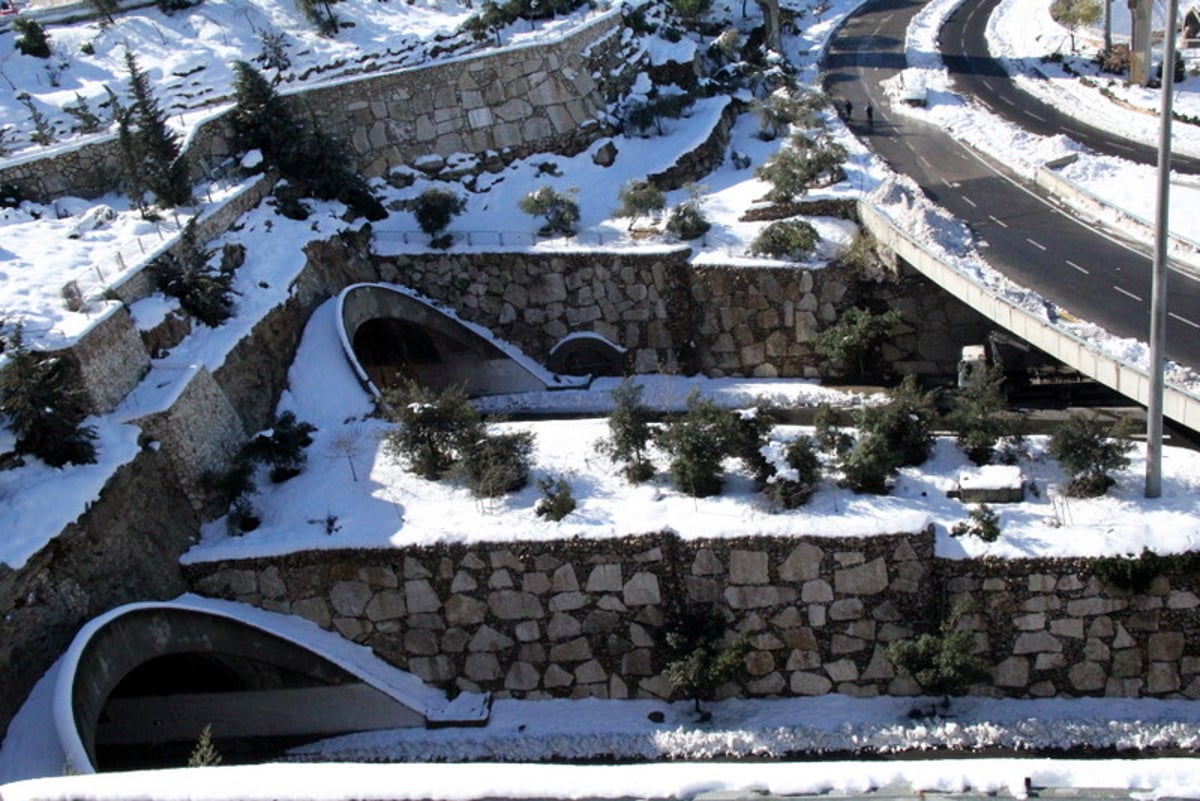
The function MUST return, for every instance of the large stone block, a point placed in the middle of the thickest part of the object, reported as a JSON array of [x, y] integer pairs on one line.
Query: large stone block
[[868, 579], [748, 567]]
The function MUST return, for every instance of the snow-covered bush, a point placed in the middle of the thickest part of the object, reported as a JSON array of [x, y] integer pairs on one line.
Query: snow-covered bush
[[804, 162], [891, 436], [559, 209], [797, 471], [1088, 450], [686, 221], [434, 209], [45, 405], [282, 446], [557, 501], [496, 464], [785, 239], [639, 198], [629, 433], [983, 523], [977, 414], [698, 442]]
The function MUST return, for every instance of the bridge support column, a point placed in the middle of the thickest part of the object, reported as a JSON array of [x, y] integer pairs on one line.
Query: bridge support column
[[1139, 41]]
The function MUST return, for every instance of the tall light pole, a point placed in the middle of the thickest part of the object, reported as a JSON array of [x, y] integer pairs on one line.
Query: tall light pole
[[1158, 290]]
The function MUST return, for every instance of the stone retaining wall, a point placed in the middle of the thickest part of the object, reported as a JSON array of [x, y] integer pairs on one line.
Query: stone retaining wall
[[585, 618], [544, 97], [672, 316], [1054, 628]]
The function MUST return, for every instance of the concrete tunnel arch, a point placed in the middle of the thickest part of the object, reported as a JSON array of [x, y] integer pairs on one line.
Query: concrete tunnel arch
[[390, 334], [271, 676]]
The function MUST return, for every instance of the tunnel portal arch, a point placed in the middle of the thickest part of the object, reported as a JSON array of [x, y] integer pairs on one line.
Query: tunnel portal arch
[[145, 679]]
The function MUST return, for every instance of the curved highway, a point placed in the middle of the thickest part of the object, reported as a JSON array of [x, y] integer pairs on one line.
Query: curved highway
[[1023, 234], [963, 44]]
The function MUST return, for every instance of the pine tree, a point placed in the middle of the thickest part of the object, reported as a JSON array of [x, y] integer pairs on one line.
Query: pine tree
[[157, 154], [629, 433], [45, 407], [261, 119], [944, 663], [699, 659], [31, 37]]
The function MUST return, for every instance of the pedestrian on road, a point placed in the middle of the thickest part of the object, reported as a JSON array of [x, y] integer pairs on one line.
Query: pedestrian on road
[[849, 109], [870, 117]]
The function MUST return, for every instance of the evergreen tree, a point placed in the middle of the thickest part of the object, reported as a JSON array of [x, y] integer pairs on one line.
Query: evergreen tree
[[434, 431], [629, 433], [45, 407], [156, 152], [856, 337], [203, 291], [86, 121], [31, 37], [261, 119], [699, 658], [1089, 450], [944, 663], [977, 414], [698, 442]]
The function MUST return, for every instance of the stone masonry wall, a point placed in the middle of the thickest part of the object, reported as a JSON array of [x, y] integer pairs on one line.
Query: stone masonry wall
[[583, 618], [1054, 628], [676, 317], [519, 100]]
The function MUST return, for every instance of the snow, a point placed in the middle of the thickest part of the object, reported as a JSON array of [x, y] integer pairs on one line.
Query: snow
[[379, 505]]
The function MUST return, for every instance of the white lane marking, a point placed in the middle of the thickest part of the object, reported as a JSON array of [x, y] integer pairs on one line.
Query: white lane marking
[[1037, 245], [970, 202], [1183, 320], [1077, 267], [1127, 293], [1000, 223]]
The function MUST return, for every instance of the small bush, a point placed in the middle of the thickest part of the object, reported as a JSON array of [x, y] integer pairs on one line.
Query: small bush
[[282, 446], [497, 464], [1088, 450], [639, 199], [31, 37], [749, 430], [944, 663], [86, 121], [1115, 60], [560, 210], [433, 432], [691, 10], [868, 466], [792, 486], [686, 221], [629, 433], [904, 422], [557, 501], [435, 208], [698, 442], [803, 163], [830, 437], [699, 659], [1136, 574], [785, 239], [984, 523]]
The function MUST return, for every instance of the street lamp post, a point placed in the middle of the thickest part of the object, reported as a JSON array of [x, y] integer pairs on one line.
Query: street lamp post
[[1158, 291]]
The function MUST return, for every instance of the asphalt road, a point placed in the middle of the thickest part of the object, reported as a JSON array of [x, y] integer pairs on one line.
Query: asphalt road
[[964, 50], [1022, 233]]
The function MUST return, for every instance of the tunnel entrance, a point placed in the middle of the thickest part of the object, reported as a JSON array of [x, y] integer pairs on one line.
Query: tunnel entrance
[[391, 336], [392, 351], [154, 716]]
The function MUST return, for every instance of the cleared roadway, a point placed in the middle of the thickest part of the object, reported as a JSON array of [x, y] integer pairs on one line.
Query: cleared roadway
[[1022, 233]]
